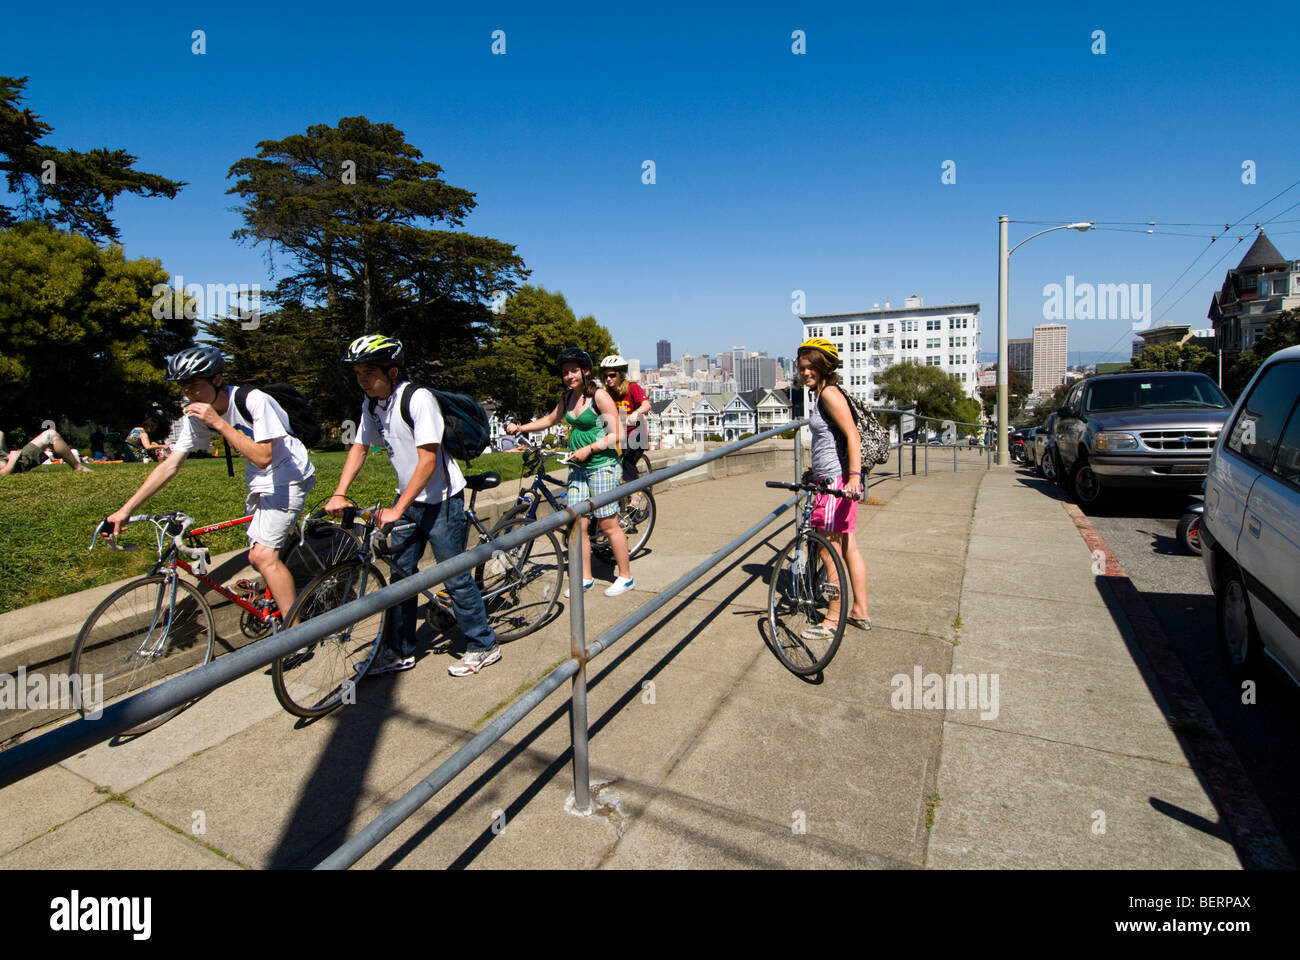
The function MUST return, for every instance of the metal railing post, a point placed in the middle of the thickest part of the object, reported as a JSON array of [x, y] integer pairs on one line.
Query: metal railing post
[[578, 651], [954, 456], [926, 457], [798, 453]]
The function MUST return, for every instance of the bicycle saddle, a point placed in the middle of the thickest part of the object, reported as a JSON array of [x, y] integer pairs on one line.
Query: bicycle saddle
[[483, 481]]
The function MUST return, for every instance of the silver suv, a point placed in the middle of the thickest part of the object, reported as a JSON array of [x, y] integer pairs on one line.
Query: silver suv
[[1250, 535], [1152, 430]]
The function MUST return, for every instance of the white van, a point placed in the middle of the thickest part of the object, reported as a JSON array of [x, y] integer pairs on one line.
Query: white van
[[1251, 531]]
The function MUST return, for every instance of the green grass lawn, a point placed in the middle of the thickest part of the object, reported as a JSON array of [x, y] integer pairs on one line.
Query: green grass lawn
[[47, 516]]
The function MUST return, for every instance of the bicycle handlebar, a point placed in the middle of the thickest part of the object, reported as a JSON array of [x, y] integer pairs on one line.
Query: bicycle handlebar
[[815, 488]]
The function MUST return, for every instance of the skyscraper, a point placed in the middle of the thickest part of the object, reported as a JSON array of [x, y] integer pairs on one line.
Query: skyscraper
[[1050, 343], [664, 353]]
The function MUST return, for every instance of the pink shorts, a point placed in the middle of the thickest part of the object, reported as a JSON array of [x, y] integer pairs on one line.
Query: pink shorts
[[833, 513]]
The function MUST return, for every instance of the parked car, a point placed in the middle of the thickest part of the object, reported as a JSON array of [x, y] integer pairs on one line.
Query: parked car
[[1250, 531], [1044, 458], [1028, 436], [1150, 430]]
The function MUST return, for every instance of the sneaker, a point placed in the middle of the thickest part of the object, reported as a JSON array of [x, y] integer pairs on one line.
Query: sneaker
[[475, 660], [586, 585], [621, 585], [388, 662]]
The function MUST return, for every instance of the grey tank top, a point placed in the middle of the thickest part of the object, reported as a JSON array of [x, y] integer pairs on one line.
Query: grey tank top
[[825, 457]]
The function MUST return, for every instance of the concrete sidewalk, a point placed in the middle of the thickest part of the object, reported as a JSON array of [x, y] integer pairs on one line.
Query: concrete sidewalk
[[708, 753]]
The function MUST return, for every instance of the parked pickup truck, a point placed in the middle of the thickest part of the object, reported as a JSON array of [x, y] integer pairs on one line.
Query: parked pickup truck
[[1150, 430]]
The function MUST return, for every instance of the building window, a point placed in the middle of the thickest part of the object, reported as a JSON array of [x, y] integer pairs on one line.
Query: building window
[[891, 328], [934, 361], [877, 326], [934, 324], [933, 343]]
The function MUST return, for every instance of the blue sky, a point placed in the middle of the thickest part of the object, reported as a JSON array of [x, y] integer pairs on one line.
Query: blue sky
[[774, 172]]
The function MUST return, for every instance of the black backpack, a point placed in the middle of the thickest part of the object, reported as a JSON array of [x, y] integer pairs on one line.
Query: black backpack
[[465, 430], [302, 421]]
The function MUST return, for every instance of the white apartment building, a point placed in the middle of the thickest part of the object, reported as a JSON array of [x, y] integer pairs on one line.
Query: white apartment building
[[871, 340], [1051, 342]]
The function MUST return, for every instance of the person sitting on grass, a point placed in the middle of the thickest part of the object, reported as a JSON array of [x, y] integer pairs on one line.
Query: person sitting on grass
[[32, 455], [139, 439]]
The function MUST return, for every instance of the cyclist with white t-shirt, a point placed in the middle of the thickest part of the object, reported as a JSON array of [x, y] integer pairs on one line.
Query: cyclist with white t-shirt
[[430, 500], [278, 473]]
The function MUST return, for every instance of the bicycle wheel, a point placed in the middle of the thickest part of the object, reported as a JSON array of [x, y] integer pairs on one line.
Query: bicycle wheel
[[636, 517], [137, 638], [521, 586], [325, 543], [806, 578], [312, 681]]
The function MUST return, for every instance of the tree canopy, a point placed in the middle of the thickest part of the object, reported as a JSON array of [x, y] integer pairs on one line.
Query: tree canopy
[[1171, 356], [935, 392], [1019, 389], [65, 188], [517, 367], [354, 207], [78, 335]]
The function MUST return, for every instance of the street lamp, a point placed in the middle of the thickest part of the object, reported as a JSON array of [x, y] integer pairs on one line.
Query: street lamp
[[1004, 268]]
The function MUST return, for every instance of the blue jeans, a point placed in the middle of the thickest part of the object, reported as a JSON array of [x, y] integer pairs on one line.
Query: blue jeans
[[442, 525]]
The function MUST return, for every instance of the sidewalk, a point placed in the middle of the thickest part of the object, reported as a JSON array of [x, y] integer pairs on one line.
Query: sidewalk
[[708, 752]]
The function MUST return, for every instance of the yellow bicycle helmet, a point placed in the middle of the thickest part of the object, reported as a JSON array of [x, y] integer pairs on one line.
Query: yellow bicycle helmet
[[825, 346]]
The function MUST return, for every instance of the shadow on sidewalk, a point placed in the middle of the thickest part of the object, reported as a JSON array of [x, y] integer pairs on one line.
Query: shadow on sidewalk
[[764, 549]]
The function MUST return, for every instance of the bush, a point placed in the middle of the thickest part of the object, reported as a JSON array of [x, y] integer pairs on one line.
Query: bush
[[713, 438]]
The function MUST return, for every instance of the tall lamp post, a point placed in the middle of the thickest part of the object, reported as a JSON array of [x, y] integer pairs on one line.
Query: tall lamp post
[[1004, 269]]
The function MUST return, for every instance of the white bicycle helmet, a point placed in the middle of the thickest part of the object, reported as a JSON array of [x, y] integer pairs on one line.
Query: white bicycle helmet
[[613, 362]]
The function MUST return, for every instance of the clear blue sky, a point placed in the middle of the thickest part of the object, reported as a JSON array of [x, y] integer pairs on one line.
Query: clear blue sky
[[774, 171]]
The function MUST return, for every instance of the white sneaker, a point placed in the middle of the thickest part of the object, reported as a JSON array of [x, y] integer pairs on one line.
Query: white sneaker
[[621, 585], [474, 661], [586, 585]]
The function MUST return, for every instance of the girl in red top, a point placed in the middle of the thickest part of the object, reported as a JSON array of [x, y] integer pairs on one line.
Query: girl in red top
[[633, 405]]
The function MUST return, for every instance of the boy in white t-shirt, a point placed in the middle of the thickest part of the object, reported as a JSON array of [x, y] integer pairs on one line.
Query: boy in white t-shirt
[[277, 470], [430, 501]]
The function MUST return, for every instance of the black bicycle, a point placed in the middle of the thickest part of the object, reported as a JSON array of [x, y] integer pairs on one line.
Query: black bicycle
[[636, 511], [806, 581]]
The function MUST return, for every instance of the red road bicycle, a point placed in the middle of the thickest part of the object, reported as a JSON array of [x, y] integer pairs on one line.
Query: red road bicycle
[[160, 625]]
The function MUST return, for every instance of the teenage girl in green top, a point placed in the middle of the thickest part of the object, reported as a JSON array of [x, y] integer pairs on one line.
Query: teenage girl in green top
[[589, 410]]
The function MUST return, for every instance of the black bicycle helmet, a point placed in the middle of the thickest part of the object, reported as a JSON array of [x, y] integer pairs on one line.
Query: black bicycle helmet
[[378, 349], [201, 361], [573, 355]]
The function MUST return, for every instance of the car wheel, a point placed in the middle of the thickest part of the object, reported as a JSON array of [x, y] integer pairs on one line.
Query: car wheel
[[1237, 636], [1047, 466], [1189, 532], [1086, 483], [1058, 470]]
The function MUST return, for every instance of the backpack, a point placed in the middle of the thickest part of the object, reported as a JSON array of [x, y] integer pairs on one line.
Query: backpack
[[302, 421], [465, 431], [874, 437]]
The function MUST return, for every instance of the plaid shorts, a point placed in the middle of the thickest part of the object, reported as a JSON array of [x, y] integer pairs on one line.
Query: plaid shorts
[[587, 482]]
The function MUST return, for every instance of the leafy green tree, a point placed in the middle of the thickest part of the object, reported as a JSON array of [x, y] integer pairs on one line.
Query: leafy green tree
[[65, 188], [1282, 331], [78, 332], [517, 367], [353, 207], [1039, 414], [1019, 389], [935, 392], [1171, 356]]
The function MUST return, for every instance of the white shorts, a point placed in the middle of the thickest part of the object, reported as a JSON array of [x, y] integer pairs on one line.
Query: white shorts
[[275, 513]]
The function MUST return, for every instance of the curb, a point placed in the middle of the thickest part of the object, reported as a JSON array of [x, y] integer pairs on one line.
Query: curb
[[1251, 828]]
